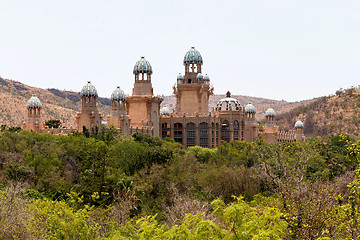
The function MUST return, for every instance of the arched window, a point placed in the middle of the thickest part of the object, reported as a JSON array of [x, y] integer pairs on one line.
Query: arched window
[[165, 130], [204, 133], [236, 129], [178, 134], [190, 134], [236, 125], [225, 131], [242, 130]]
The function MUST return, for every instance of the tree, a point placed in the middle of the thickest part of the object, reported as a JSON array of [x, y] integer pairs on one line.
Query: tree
[[53, 123]]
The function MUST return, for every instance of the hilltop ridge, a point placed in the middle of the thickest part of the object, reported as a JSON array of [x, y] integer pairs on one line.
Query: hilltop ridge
[[336, 114]]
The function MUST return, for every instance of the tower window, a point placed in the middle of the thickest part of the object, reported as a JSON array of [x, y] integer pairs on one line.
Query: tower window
[[189, 80]]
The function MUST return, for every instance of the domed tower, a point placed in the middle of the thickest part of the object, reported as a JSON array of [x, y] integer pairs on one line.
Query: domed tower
[[250, 111], [143, 107], [192, 61], [235, 123], [142, 72], [89, 115], [193, 89], [118, 117], [34, 120], [299, 131], [270, 129]]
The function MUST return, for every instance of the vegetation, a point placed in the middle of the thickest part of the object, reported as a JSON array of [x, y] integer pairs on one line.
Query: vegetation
[[104, 186], [53, 123], [327, 115]]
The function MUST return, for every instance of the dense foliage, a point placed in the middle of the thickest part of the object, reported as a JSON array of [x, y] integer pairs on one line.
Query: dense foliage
[[101, 185]]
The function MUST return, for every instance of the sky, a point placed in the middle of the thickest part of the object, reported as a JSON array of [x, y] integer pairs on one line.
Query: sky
[[280, 49]]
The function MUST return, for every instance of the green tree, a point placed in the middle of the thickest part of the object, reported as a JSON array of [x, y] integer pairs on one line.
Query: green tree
[[53, 123]]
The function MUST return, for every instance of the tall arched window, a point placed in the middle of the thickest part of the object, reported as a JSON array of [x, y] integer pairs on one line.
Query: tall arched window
[[236, 129], [190, 134], [165, 130], [225, 131], [204, 133], [242, 130], [178, 134]]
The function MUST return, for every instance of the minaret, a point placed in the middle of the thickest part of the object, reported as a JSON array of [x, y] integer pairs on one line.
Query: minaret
[[299, 131], [270, 128], [142, 72], [118, 117], [143, 107], [251, 123], [193, 89], [89, 115], [34, 120]]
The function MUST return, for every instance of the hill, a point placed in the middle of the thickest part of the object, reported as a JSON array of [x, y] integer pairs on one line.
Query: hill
[[327, 115], [57, 104], [63, 105]]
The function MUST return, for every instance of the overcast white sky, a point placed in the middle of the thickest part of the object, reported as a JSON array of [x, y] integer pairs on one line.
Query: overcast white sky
[[278, 49]]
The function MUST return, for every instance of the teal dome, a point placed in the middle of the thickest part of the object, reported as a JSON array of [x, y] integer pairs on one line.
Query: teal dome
[[142, 66], [165, 111], [270, 113], [199, 76], [89, 90], [299, 124], [180, 77], [206, 77], [193, 56], [118, 95], [250, 108], [34, 102]]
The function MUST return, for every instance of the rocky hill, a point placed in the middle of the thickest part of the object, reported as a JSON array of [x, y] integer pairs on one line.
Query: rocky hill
[[63, 105], [327, 115], [57, 104]]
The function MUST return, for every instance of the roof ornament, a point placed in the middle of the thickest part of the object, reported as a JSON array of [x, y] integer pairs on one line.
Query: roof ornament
[[228, 94]]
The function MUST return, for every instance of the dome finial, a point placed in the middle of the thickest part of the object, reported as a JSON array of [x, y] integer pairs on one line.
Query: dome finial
[[228, 94]]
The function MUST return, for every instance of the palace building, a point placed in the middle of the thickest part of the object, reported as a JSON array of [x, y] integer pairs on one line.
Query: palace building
[[191, 123]]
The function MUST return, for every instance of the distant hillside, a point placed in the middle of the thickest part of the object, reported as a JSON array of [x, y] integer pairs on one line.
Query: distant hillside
[[327, 115], [57, 104], [63, 105]]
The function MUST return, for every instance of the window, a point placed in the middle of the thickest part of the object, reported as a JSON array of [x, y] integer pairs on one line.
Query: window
[[178, 132], [225, 131]]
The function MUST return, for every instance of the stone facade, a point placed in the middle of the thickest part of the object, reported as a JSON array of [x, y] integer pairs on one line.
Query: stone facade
[[118, 117], [271, 133], [89, 115], [34, 120], [190, 123], [143, 107]]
